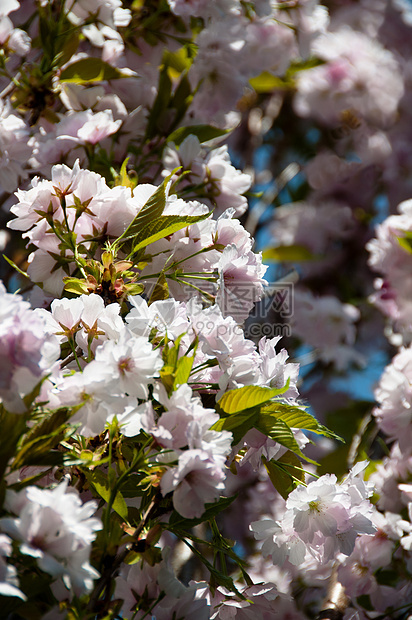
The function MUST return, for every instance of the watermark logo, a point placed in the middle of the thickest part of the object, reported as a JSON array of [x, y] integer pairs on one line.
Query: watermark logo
[[269, 317], [277, 300], [256, 331]]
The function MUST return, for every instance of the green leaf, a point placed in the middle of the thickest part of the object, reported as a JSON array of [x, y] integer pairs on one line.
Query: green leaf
[[183, 370], [130, 486], [288, 253], [202, 132], [13, 264], [89, 69], [365, 601], [151, 210], [267, 82], [135, 289], [217, 577], [335, 462], [160, 105], [111, 477], [40, 442], [75, 285], [123, 177], [346, 420], [355, 424], [405, 243], [303, 65], [163, 227], [387, 577], [235, 401], [245, 419], [285, 473], [69, 46], [50, 423], [40, 452], [167, 376], [100, 484], [279, 431], [238, 424], [171, 354], [298, 418], [176, 370], [108, 539], [182, 96], [13, 426], [179, 60]]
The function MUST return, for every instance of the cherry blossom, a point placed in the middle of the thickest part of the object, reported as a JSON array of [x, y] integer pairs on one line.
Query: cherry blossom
[[28, 352], [197, 480], [121, 124], [322, 518], [54, 527]]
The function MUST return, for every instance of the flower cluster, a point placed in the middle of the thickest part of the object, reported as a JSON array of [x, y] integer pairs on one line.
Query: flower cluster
[[389, 255], [321, 519], [54, 527], [162, 163], [28, 353]]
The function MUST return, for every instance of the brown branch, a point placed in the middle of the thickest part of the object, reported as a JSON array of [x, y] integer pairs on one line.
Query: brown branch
[[336, 601]]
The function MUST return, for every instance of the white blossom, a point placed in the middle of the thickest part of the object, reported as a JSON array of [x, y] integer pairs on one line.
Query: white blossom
[[54, 527]]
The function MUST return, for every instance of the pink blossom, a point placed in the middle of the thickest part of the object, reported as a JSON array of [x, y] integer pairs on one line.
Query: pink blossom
[[322, 519], [55, 527], [67, 313], [240, 282], [99, 127], [269, 46], [356, 72], [197, 480], [28, 352], [224, 183], [217, 71], [8, 6], [257, 445], [394, 396], [327, 325], [228, 184], [98, 323], [223, 339], [132, 362], [16, 147], [9, 584], [166, 317], [110, 15], [14, 38], [275, 372], [313, 226]]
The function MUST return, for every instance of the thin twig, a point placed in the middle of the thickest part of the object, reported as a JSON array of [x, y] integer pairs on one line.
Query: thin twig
[[111, 570], [10, 87], [269, 196]]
